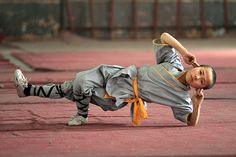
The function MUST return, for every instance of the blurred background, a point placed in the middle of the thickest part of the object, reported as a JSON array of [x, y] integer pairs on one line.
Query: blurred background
[[116, 19]]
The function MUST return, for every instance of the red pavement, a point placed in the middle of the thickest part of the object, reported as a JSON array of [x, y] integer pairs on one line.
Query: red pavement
[[32, 126], [5, 66]]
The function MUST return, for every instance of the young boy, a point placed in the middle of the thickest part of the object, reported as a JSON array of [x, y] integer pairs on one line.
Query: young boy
[[113, 87]]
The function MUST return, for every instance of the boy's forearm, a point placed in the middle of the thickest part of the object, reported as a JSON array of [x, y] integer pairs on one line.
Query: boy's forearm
[[195, 115], [197, 102], [166, 38]]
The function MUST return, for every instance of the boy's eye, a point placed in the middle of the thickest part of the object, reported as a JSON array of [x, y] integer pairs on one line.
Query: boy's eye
[[201, 72]]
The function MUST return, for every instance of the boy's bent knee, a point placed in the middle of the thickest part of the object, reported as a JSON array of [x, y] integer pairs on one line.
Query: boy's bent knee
[[67, 89]]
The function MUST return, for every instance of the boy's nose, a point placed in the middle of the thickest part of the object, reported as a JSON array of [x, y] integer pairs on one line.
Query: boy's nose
[[197, 77]]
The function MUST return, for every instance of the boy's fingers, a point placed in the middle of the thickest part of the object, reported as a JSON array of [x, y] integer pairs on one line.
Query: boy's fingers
[[195, 64], [200, 92]]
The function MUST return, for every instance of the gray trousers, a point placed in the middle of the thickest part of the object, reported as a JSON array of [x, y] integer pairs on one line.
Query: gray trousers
[[88, 86], [64, 90]]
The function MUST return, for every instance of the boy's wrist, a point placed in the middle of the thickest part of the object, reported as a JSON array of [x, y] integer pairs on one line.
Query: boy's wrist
[[185, 52], [197, 100]]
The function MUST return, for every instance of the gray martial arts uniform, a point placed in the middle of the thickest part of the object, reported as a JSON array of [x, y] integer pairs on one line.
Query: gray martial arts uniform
[[156, 83]]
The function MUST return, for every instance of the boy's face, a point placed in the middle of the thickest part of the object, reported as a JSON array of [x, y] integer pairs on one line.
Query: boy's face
[[199, 77]]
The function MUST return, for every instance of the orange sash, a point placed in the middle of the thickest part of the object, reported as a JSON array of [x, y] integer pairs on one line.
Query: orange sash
[[139, 112]]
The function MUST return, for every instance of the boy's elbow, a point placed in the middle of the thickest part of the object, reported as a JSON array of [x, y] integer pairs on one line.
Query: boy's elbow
[[192, 120], [192, 124], [164, 35]]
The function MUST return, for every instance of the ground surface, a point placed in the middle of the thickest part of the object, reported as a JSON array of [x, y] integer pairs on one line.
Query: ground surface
[[32, 127]]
